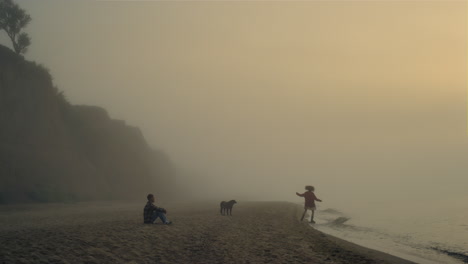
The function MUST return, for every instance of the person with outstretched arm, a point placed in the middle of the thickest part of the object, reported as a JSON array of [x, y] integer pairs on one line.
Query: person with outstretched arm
[[310, 199], [151, 212]]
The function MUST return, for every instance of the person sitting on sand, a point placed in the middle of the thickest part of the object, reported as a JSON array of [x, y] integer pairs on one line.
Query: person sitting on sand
[[310, 199], [151, 212]]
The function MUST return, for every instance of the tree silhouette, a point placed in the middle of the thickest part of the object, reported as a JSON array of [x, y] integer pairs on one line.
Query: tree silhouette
[[13, 19]]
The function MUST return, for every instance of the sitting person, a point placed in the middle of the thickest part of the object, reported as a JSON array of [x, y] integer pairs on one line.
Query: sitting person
[[151, 212]]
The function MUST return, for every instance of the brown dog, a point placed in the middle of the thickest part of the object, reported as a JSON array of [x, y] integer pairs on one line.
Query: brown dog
[[226, 207]]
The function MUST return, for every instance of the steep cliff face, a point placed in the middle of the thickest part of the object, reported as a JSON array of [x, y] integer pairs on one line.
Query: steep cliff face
[[51, 150]]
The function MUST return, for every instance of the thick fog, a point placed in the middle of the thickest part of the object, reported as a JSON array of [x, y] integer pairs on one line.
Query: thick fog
[[253, 100]]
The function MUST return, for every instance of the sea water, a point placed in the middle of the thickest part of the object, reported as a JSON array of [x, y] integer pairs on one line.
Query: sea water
[[431, 233]]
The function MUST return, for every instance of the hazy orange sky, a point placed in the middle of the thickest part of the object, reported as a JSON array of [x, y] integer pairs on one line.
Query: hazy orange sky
[[352, 96]]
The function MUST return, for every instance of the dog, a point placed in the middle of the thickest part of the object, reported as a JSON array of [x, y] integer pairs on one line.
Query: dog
[[226, 207]]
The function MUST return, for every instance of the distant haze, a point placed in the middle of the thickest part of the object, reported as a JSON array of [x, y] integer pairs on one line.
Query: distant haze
[[365, 100]]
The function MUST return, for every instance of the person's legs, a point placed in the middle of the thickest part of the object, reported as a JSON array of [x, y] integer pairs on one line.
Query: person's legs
[[160, 215], [154, 217], [305, 211], [312, 218], [163, 217]]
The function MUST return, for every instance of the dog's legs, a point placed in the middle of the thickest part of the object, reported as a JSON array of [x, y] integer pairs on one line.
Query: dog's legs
[[305, 211]]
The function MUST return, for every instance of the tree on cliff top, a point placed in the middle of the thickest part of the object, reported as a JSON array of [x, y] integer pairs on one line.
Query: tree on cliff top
[[13, 19]]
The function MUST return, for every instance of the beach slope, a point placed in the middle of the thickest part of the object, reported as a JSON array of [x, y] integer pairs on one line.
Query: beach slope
[[258, 232]]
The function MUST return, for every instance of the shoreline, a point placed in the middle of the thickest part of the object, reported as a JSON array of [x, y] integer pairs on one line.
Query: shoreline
[[381, 238], [258, 232]]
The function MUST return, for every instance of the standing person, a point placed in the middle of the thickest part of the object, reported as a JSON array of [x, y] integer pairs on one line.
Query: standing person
[[151, 212], [310, 199]]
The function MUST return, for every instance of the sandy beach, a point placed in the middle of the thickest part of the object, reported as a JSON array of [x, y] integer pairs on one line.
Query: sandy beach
[[105, 232]]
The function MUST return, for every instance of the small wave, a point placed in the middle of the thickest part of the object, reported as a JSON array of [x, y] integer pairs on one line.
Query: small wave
[[331, 211], [453, 254], [339, 221]]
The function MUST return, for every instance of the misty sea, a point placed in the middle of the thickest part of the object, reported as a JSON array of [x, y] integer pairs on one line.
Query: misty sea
[[431, 233]]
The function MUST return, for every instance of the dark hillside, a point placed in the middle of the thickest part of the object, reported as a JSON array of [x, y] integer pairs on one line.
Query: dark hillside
[[51, 150]]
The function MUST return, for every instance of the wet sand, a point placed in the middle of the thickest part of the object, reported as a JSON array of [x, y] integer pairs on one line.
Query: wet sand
[[258, 232]]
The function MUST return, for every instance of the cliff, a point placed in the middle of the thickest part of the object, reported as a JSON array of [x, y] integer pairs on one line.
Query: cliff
[[51, 150]]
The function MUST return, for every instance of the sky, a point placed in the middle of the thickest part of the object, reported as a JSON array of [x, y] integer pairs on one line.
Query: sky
[[364, 100]]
